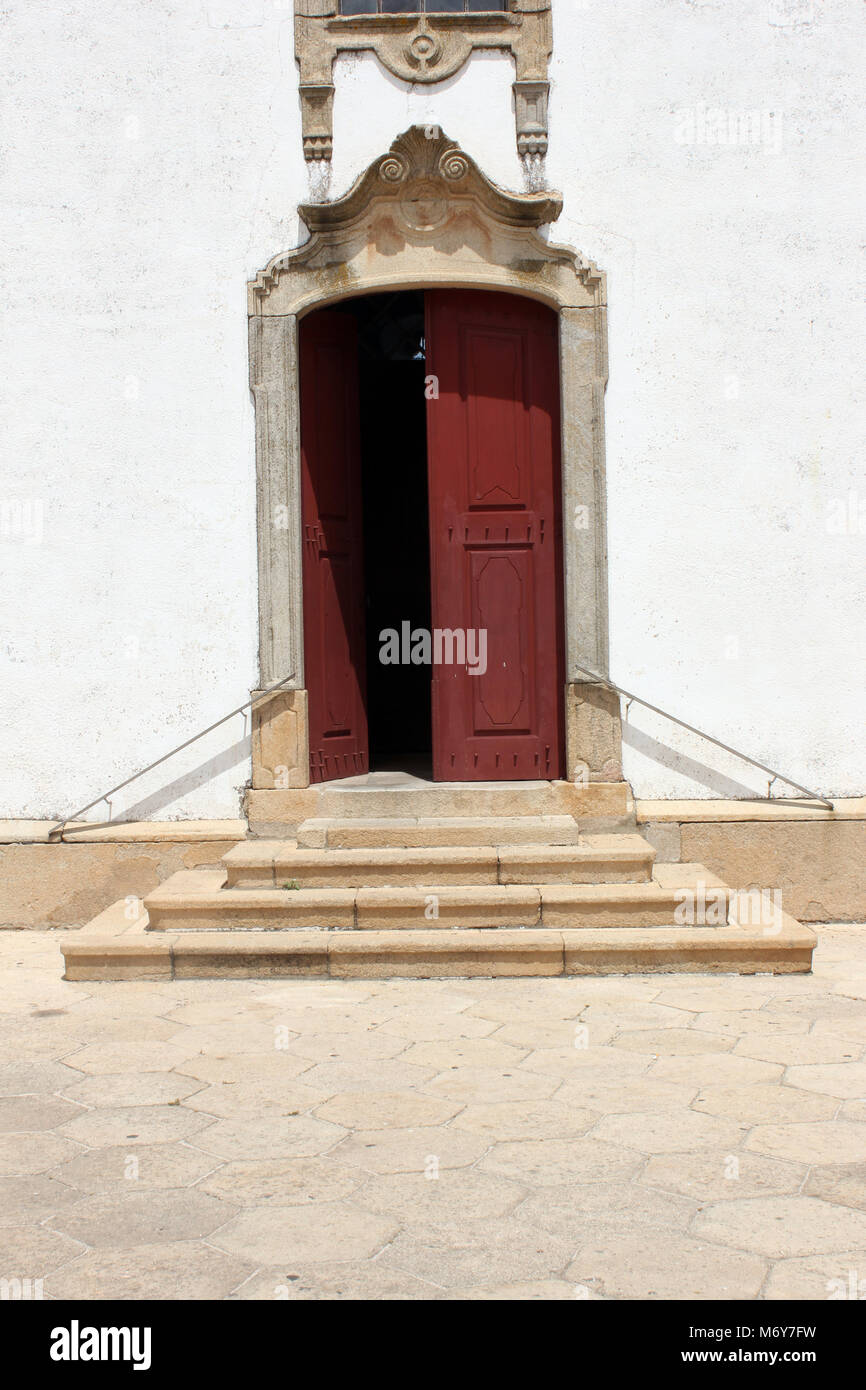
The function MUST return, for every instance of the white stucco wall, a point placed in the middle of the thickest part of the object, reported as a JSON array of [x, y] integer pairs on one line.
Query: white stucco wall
[[153, 164]]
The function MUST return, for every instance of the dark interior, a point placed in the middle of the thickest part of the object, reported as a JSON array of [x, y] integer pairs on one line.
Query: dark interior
[[396, 524]]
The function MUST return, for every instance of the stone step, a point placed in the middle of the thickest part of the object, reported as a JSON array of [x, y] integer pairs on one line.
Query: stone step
[[434, 831], [596, 805], [197, 900], [262, 864], [118, 950]]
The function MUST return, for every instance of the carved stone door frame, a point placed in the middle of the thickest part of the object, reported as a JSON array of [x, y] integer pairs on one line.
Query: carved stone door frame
[[424, 215]]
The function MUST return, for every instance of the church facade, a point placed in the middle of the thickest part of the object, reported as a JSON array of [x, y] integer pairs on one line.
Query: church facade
[[453, 390]]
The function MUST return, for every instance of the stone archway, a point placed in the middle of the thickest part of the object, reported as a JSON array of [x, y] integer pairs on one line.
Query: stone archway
[[424, 215]]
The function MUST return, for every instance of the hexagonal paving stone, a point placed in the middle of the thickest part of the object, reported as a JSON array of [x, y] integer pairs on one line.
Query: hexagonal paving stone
[[34, 1197], [147, 1165], [24, 1114], [824, 1004], [314, 1234], [32, 1252], [715, 1069], [738, 1021], [410, 1150], [34, 1078], [355, 1281], [34, 1153], [782, 1226], [552, 1162], [852, 1029], [627, 1016], [653, 1132], [620, 1097], [205, 1012], [465, 1052], [540, 1035], [764, 1103], [839, 1182], [525, 1119], [833, 1277], [573, 1209], [133, 1056], [627, 1266], [709, 1175], [673, 1042], [283, 1183], [704, 998], [118, 1028], [329, 1047], [456, 1255], [231, 1099], [260, 1069], [237, 1039], [793, 1048], [386, 1110], [182, 1270], [601, 1063], [386, 1075], [134, 1124], [415, 1026], [147, 1088], [125, 1219], [273, 1136], [457, 1195], [844, 1080], [468, 1084], [824, 1141], [502, 1009], [539, 1290]]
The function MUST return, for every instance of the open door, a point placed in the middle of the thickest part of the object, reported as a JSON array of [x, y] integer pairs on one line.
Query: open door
[[495, 536], [334, 637]]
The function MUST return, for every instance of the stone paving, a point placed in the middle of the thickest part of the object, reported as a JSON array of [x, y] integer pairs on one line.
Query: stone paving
[[622, 1138]]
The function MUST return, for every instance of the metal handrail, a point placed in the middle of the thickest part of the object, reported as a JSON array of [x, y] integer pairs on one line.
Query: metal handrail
[[585, 670], [241, 709], [637, 699]]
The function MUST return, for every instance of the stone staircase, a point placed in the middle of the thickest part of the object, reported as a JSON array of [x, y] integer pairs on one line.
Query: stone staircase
[[361, 893]]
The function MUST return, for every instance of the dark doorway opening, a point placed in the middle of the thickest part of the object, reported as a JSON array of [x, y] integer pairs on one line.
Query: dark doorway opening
[[396, 524]]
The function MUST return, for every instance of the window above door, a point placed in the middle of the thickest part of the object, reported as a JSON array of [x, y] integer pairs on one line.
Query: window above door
[[421, 6], [422, 41]]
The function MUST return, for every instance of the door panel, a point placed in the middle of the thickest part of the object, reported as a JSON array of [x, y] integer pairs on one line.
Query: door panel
[[332, 532], [496, 534]]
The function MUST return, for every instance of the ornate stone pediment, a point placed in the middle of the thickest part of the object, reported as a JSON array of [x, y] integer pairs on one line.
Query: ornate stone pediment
[[424, 214], [423, 47]]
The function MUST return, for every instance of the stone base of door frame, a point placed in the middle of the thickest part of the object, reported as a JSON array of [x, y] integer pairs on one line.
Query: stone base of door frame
[[281, 739]]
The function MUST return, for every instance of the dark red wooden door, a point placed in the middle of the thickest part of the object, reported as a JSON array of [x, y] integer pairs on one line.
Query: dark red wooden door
[[334, 636], [496, 534]]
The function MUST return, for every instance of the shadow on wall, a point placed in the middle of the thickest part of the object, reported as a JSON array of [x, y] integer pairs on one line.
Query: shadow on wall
[[147, 808], [725, 788]]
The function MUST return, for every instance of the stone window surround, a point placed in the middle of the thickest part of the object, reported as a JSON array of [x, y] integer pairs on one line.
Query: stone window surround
[[426, 48], [421, 216]]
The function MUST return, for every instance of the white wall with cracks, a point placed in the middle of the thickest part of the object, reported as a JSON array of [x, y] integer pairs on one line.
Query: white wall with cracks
[[710, 155]]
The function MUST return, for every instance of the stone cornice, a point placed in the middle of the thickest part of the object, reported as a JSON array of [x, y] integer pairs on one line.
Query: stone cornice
[[420, 212]]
